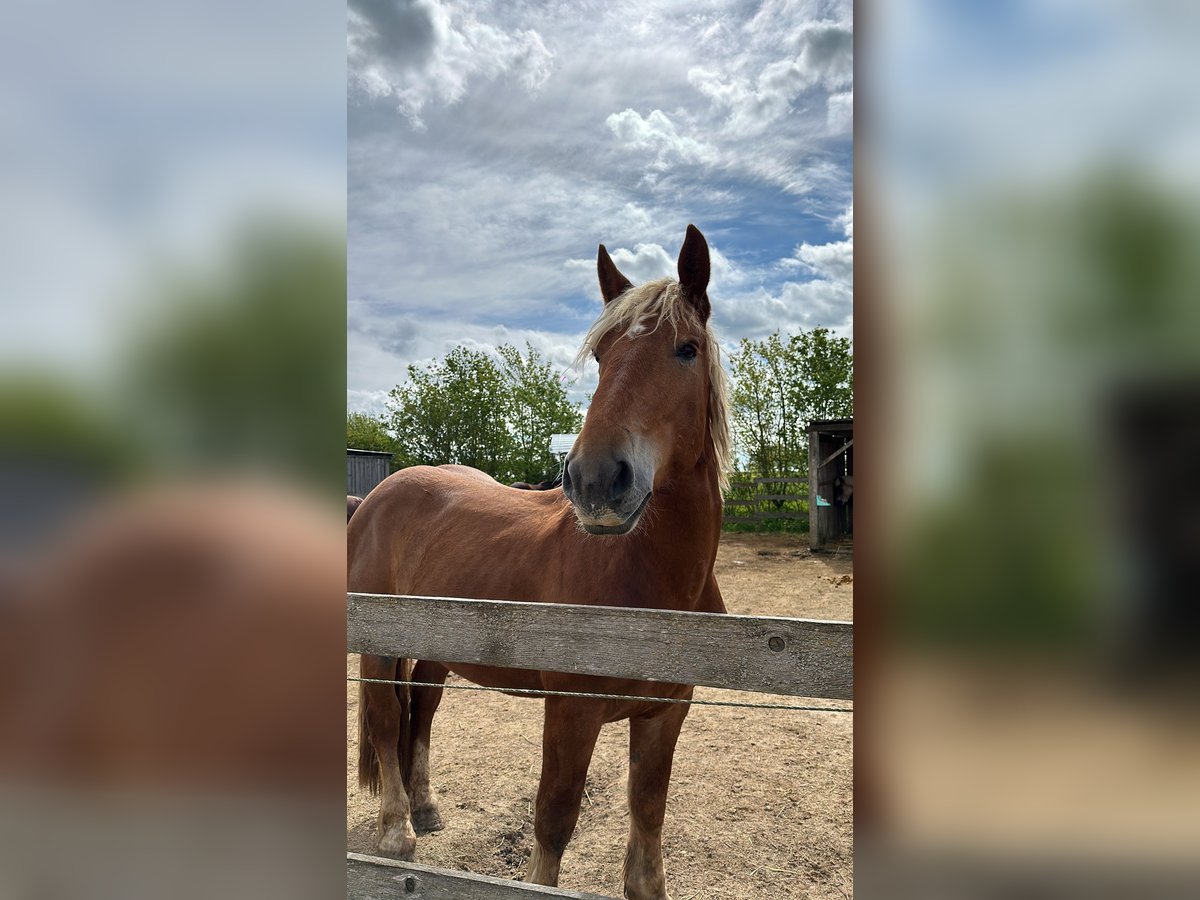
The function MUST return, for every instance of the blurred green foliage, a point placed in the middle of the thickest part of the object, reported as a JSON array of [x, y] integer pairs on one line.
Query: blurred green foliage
[[236, 365], [55, 423], [1013, 536], [247, 370]]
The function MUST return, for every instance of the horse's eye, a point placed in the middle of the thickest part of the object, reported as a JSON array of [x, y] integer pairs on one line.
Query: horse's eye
[[687, 352]]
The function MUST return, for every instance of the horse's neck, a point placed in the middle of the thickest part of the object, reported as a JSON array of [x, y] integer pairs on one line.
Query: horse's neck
[[683, 526]]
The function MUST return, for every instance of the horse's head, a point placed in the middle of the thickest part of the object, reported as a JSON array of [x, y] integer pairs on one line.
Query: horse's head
[[658, 413]]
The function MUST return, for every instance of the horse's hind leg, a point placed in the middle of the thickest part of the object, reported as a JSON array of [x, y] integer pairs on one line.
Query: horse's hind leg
[[568, 738], [383, 717], [651, 750], [425, 814]]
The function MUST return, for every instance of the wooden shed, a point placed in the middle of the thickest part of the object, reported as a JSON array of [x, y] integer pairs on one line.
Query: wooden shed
[[365, 469], [830, 481]]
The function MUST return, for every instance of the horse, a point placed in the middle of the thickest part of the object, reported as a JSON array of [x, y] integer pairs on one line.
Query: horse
[[843, 490], [547, 485], [635, 523], [141, 592], [843, 499], [352, 503]]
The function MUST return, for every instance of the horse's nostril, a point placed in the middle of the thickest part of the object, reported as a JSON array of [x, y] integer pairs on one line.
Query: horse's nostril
[[622, 482]]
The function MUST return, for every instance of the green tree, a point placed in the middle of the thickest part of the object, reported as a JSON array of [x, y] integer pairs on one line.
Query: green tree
[[824, 388], [364, 432], [471, 408], [780, 384], [759, 405], [538, 408]]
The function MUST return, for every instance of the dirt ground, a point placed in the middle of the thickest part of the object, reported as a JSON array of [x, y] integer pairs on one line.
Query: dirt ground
[[761, 802]]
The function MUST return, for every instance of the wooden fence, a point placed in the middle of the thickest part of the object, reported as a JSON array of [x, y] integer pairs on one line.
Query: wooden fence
[[757, 500], [797, 657]]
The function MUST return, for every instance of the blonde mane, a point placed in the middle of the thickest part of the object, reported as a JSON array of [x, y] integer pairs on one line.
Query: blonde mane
[[663, 299]]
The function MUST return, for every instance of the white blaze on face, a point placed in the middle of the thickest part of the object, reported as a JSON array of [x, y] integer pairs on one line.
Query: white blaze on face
[[644, 456], [641, 326]]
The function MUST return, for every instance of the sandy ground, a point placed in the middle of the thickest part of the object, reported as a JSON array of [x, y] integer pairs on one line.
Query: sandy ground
[[761, 801]]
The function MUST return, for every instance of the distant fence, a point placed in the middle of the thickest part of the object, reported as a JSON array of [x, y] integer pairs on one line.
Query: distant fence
[[796, 657], [754, 501]]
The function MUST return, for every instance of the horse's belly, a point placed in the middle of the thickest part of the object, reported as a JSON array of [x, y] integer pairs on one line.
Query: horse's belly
[[492, 676]]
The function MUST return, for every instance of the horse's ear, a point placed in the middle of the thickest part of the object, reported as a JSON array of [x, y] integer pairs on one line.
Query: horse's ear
[[612, 282], [694, 270]]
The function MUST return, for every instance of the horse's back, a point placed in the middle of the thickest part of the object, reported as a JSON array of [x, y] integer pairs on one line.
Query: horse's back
[[453, 531]]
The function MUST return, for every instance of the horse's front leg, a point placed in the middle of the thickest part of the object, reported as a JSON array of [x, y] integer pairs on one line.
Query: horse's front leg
[[383, 715], [425, 814], [568, 738], [651, 750]]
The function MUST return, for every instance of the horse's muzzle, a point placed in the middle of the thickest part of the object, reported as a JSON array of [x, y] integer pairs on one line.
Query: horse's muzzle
[[608, 493]]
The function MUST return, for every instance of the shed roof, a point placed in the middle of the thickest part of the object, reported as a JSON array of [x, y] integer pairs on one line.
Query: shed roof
[[837, 425]]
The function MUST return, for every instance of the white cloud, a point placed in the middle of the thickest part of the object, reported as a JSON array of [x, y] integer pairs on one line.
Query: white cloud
[[840, 115], [846, 221], [492, 213], [658, 133], [826, 53], [380, 347], [417, 52], [833, 262], [822, 56], [644, 263], [793, 306], [827, 299]]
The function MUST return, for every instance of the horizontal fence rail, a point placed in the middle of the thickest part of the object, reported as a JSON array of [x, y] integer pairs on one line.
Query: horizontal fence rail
[[776, 655], [797, 657], [374, 878], [758, 500]]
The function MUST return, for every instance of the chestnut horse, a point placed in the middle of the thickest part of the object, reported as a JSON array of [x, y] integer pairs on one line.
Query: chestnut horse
[[547, 485], [636, 523]]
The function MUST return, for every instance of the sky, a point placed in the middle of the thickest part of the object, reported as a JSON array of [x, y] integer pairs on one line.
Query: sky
[[493, 146], [147, 138]]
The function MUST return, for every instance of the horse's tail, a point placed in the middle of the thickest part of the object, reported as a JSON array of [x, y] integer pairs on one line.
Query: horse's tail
[[404, 669], [368, 760]]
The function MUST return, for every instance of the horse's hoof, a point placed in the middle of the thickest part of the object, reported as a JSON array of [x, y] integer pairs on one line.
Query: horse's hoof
[[398, 845], [427, 820]]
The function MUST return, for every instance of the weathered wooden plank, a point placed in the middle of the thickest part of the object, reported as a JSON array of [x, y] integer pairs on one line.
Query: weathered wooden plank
[[751, 653], [375, 878], [814, 525], [836, 453], [789, 480], [792, 497]]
